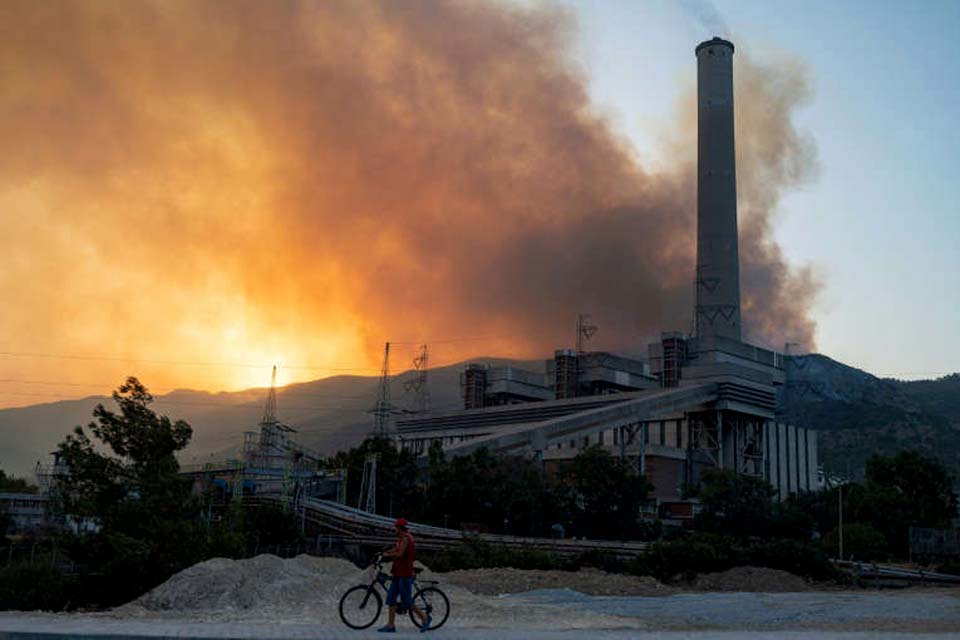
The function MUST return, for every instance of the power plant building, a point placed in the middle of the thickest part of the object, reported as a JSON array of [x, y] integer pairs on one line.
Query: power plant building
[[694, 402]]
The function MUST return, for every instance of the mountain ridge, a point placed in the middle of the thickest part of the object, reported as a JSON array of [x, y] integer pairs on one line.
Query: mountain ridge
[[856, 412]]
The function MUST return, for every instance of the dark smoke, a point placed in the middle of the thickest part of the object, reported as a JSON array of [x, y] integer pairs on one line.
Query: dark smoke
[[316, 177]]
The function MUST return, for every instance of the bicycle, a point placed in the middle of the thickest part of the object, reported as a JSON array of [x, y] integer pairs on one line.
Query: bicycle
[[361, 605]]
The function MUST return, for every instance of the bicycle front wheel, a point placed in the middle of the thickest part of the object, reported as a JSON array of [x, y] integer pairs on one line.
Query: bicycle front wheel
[[360, 607], [434, 602]]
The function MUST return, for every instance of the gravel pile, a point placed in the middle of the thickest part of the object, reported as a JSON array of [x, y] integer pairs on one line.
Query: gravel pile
[[307, 590], [589, 581], [261, 587], [750, 579]]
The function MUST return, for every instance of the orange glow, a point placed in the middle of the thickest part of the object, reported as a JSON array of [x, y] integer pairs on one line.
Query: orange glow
[[189, 188]]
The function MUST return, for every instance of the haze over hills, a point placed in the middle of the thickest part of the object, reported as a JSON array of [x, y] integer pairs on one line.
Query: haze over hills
[[857, 413], [860, 414], [329, 414]]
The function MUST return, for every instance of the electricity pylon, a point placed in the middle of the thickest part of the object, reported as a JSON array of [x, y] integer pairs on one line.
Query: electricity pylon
[[418, 384]]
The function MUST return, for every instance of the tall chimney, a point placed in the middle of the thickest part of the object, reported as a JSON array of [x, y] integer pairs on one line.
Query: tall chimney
[[718, 268]]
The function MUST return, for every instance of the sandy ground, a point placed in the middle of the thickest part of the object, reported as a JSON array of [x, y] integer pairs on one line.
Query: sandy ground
[[593, 582], [297, 598], [599, 583]]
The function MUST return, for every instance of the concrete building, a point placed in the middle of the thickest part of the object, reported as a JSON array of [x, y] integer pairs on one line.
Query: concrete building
[[26, 511], [698, 402]]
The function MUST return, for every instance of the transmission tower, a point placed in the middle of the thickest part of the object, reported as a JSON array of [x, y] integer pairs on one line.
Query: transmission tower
[[418, 384], [383, 408], [585, 331], [270, 407]]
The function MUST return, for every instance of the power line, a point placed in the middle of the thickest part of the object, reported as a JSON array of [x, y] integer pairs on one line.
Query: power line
[[221, 405], [165, 390], [109, 358], [416, 343], [256, 365]]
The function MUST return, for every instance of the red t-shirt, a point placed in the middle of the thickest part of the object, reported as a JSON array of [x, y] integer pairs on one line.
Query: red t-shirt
[[403, 564]]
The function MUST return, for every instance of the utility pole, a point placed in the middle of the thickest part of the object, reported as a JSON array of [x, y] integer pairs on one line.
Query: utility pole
[[840, 528]]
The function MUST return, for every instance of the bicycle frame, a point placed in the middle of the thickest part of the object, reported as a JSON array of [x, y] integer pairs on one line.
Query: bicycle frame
[[381, 578]]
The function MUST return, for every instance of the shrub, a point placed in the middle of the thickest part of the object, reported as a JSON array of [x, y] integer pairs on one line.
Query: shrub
[[950, 566], [860, 542], [801, 558], [476, 554], [709, 553], [596, 559], [27, 588], [686, 557]]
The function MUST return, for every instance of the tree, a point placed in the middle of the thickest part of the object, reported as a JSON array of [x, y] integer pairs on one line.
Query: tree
[[860, 542], [398, 492], [908, 489], [125, 482], [735, 504], [508, 494], [141, 473], [607, 494]]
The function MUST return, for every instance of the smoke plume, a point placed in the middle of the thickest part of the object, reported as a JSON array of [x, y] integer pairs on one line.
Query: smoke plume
[[246, 180]]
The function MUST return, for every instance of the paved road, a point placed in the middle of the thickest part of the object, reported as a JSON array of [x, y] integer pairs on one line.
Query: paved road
[[931, 610], [923, 614], [28, 627]]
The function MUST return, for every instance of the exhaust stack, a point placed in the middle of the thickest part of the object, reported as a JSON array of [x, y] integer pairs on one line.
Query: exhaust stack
[[718, 268]]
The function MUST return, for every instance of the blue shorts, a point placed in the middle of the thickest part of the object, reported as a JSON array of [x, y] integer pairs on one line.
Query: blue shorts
[[402, 587]]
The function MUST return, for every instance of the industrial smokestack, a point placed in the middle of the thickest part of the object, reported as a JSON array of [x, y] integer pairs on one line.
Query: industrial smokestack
[[718, 268]]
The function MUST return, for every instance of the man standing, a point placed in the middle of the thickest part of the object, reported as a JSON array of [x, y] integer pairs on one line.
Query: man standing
[[403, 554]]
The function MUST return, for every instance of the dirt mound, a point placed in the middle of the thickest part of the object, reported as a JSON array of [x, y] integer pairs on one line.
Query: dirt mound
[[307, 590], [263, 586], [750, 579], [590, 581]]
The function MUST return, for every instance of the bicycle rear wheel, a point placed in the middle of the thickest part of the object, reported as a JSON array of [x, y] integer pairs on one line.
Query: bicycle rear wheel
[[360, 607], [431, 601]]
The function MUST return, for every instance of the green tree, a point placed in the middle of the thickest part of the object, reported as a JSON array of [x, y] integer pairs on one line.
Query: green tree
[[860, 542], [908, 489], [606, 493], [124, 482], [735, 504], [506, 494], [398, 491]]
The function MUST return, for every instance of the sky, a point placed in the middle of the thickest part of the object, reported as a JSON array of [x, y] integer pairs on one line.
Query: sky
[[196, 191], [879, 221]]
